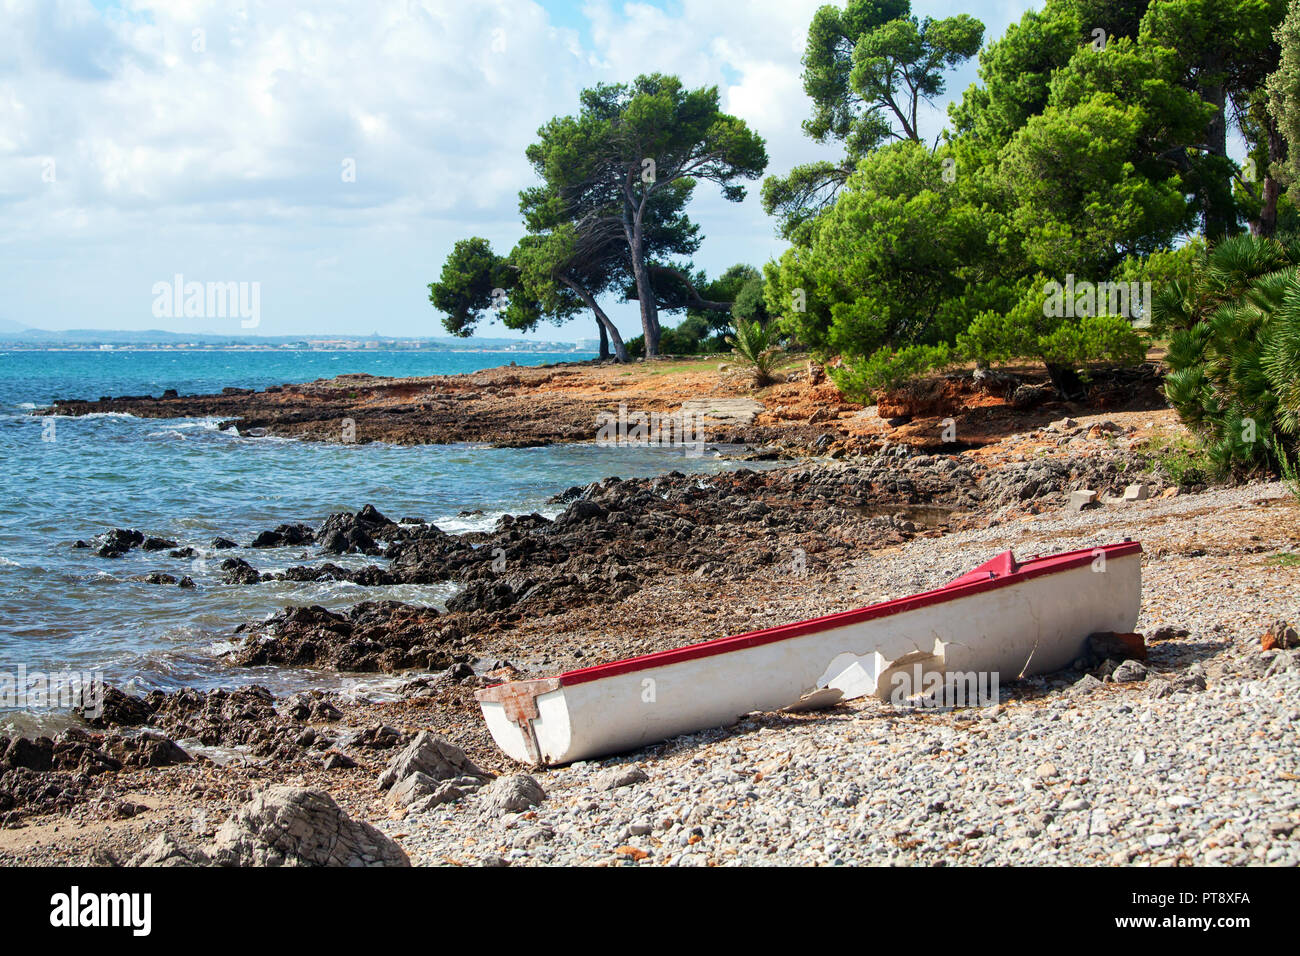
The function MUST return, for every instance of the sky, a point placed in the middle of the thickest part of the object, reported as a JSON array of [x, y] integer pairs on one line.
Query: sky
[[332, 152]]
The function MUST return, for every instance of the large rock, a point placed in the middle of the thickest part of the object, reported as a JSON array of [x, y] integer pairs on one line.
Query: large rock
[[431, 755], [619, 776], [285, 535], [115, 543], [514, 794], [105, 706], [291, 826], [1114, 645], [168, 851], [419, 791]]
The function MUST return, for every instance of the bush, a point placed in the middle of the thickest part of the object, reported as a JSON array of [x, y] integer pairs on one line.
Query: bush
[[886, 369], [1182, 460], [755, 344], [1062, 343], [692, 337], [1235, 357]]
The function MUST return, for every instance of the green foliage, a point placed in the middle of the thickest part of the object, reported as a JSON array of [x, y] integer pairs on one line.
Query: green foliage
[[1087, 183], [1028, 330], [755, 345], [888, 265], [470, 274], [1182, 460], [867, 69], [1284, 98], [631, 146], [692, 336], [1235, 357], [887, 368]]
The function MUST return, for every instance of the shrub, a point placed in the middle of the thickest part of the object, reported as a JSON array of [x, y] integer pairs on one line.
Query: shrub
[[755, 344], [1235, 357]]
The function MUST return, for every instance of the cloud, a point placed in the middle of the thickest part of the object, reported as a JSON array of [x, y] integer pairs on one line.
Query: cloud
[[218, 138]]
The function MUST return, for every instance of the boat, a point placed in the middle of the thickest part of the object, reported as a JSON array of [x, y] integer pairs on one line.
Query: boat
[[1007, 618]]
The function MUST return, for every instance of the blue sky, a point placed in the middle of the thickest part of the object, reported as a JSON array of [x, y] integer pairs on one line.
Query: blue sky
[[141, 139]]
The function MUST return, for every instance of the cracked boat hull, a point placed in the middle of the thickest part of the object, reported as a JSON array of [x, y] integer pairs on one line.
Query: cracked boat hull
[[1004, 618]]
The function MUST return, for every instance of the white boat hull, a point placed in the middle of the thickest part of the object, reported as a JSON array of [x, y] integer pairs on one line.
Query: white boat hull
[[1002, 619]]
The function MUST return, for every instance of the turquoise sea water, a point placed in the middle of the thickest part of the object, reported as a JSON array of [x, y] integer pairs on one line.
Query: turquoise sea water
[[182, 479]]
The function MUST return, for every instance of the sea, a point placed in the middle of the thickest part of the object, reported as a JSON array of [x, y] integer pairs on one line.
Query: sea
[[64, 610]]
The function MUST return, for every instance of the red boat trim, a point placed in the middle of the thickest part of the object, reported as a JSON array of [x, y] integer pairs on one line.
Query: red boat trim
[[987, 577]]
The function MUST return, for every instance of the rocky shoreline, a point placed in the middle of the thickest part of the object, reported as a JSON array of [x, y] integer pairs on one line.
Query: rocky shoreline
[[637, 565]]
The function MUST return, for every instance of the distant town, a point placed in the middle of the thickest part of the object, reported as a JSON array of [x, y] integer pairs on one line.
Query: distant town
[[106, 340]]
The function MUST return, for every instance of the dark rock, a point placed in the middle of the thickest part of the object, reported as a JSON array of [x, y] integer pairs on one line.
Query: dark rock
[[115, 543], [111, 707], [285, 535], [1117, 646], [239, 571]]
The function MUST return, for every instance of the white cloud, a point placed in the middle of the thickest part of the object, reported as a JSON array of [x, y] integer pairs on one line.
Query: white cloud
[[209, 137]]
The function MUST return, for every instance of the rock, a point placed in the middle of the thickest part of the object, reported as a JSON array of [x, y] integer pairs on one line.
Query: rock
[[1279, 635], [514, 794], [448, 791], [1117, 646], [166, 850], [222, 544], [580, 511], [412, 788], [383, 636], [1085, 685], [533, 835], [125, 809], [1026, 397], [155, 577], [1081, 499], [334, 760], [286, 535], [292, 826], [239, 571], [421, 791], [28, 753], [620, 776], [156, 544], [311, 707], [432, 755], [1137, 492], [111, 707], [1046, 770], [1129, 672], [115, 543], [378, 737]]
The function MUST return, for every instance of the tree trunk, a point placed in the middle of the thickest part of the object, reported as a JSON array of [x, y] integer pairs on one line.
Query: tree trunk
[[1066, 381], [1266, 225], [607, 328], [632, 228], [604, 341]]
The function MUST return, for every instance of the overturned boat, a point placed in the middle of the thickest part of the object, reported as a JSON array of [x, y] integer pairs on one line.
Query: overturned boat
[[1009, 618]]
